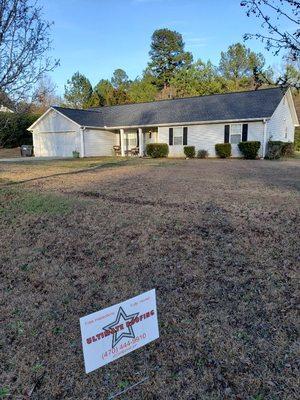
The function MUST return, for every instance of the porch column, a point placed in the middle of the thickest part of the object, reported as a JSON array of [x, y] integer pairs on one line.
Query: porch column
[[141, 143], [82, 142], [122, 142]]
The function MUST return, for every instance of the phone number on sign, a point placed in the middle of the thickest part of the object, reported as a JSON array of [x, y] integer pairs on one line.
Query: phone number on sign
[[123, 347]]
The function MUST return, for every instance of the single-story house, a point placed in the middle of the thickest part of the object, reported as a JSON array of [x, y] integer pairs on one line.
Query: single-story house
[[195, 121]]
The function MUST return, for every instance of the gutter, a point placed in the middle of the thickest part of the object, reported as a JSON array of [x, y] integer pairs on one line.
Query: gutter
[[220, 121]]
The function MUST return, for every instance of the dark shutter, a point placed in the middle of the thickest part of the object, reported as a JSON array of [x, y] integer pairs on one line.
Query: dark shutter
[[245, 133], [185, 132], [170, 136], [137, 139], [226, 134]]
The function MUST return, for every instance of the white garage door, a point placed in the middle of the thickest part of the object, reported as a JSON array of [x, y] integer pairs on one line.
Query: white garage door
[[52, 144]]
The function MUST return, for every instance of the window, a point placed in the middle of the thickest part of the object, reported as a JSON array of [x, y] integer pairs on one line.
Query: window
[[177, 136], [235, 133], [131, 140]]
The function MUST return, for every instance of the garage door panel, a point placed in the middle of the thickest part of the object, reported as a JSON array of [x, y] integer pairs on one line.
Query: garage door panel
[[55, 144]]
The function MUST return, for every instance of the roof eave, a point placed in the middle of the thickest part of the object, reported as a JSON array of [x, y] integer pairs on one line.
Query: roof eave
[[220, 121]]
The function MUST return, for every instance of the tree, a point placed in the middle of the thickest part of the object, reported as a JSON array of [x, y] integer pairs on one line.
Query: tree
[[24, 43], [78, 91], [199, 79], [103, 94], [119, 79], [120, 82], [167, 55], [243, 66], [44, 95], [290, 77], [275, 36], [142, 90]]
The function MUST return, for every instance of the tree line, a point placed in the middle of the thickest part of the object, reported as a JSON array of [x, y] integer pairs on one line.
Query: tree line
[[172, 72]]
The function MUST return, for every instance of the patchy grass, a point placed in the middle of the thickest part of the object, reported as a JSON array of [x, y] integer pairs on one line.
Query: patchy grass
[[31, 169], [219, 240], [13, 202]]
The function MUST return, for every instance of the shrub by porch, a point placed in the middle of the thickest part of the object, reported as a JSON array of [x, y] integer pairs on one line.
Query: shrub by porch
[[157, 150]]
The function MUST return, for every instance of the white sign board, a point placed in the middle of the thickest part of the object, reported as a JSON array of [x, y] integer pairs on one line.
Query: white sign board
[[117, 330]]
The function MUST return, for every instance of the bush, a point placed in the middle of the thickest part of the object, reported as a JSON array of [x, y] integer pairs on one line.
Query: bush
[[277, 149], [287, 149], [76, 154], [157, 150], [249, 149], [189, 151], [202, 154], [13, 129], [297, 139], [223, 150]]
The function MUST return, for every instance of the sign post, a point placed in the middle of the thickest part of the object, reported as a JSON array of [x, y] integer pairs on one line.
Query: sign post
[[118, 330]]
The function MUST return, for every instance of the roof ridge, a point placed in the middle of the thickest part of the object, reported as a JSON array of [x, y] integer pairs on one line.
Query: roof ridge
[[189, 97], [76, 109], [99, 109]]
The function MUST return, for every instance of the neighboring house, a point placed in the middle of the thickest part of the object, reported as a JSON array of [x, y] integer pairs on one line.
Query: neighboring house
[[196, 121], [5, 109]]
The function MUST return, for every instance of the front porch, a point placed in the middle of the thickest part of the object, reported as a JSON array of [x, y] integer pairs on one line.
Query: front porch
[[133, 142]]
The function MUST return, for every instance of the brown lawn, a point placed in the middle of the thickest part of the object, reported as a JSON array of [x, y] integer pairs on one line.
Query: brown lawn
[[219, 240]]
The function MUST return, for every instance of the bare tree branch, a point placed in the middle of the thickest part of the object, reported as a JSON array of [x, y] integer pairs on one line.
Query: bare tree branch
[[24, 43], [271, 13]]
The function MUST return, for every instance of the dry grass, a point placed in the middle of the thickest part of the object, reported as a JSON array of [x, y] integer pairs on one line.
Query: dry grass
[[219, 240], [10, 153]]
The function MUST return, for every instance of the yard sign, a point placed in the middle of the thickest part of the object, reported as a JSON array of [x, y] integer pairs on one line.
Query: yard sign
[[117, 330]]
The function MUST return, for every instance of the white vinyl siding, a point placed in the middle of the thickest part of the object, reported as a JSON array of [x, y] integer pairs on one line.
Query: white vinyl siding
[[281, 125], [55, 136], [204, 137], [55, 122], [99, 143]]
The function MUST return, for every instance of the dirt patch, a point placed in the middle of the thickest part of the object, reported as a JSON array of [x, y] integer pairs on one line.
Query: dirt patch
[[10, 153], [219, 240]]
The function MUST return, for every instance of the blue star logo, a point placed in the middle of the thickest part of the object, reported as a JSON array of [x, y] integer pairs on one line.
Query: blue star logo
[[127, 332]]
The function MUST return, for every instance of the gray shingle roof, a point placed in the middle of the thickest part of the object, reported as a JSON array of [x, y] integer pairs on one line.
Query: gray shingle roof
[[220, 107]]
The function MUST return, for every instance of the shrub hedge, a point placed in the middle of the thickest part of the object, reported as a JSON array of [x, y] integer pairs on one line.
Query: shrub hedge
[[202, 154], [157, 150], [297, 139], [13, 129], [189, 151], [223, 150], [249, 149], [277, 149]]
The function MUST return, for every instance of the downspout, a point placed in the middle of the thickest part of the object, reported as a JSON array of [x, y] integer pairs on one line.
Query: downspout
[[264, 138], [82, 152]]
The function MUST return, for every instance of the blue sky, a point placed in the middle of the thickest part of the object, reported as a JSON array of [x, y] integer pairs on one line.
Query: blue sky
[[97, 36]]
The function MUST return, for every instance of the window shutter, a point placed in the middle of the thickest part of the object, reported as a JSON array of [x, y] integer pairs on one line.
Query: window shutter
[[226, 133], [170, 136], [137, 139], [185, 132], [245, 133]]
